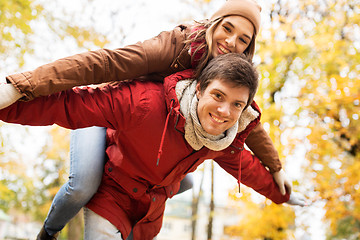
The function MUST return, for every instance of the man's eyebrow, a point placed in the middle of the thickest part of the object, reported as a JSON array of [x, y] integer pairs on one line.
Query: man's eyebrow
[[238, 100], [232, 25]]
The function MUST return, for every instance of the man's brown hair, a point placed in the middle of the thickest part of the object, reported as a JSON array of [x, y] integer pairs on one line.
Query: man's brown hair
[[234, 68]]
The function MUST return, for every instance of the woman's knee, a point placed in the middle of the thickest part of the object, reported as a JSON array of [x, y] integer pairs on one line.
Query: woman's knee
[[83, 189], [79, 195]]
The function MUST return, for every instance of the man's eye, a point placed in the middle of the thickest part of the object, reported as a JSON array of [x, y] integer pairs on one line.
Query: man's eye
[[238, 105], [218, 95]]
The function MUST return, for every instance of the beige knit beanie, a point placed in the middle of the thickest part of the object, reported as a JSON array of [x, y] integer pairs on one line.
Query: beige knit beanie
[[248, 9]]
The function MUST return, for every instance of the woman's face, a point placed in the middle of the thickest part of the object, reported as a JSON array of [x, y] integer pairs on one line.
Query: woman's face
[[232, 35], [220, 105]]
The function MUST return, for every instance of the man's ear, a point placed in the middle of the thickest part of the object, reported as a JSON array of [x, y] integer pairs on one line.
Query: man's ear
[[197, 90]]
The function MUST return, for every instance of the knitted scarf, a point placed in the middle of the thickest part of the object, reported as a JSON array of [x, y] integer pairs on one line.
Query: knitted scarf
[[195, 135]]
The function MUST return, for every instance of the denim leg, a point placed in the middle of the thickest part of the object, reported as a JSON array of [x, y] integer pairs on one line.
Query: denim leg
[[87, 159], [98, 228]]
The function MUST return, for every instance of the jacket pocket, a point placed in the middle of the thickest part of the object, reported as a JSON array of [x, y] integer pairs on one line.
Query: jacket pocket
[[134, 188]]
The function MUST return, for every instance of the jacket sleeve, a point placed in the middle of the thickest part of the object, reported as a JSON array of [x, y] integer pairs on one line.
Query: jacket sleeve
[[262, 146], [253, 175], [151, 56], [76, 108]]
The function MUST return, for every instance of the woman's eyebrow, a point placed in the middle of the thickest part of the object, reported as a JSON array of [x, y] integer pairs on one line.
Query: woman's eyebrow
[[232, 25]]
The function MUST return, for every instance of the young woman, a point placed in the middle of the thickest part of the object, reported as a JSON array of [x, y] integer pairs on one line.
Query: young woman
[[233, 28]]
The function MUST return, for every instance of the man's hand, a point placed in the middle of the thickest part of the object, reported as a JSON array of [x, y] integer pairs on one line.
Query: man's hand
[[297, 199], [8, 95], [282, 181]]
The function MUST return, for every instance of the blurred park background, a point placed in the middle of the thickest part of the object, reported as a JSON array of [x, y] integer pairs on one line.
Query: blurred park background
[[309, 62]]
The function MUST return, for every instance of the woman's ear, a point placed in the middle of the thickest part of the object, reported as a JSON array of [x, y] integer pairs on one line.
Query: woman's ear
[[197, 90]]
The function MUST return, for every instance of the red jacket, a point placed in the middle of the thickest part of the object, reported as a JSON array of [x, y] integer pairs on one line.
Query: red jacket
[[134, 188], [154, 58]]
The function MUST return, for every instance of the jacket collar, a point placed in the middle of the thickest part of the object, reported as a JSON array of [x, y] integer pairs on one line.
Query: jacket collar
[[177, 118]]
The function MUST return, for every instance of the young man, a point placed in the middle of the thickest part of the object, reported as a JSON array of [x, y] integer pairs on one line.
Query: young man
[[157, 133]]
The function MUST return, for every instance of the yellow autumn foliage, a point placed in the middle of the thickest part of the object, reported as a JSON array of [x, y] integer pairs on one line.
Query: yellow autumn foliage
[[260, 221], [310, 68]]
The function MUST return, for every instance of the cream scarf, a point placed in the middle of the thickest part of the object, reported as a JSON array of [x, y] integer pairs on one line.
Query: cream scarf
[[195, 135]]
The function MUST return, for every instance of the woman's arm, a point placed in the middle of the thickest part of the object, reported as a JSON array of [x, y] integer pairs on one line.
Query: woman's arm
[[262, 146], [151, 56]]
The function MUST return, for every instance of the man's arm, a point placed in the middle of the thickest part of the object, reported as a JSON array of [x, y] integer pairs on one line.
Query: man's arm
[[254, 175], [72, 109]]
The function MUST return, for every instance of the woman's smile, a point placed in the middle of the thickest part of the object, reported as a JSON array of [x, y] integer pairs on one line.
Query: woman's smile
[[222, 49]]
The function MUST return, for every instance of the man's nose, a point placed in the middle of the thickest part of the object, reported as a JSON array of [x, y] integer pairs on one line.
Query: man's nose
[[224, 109]]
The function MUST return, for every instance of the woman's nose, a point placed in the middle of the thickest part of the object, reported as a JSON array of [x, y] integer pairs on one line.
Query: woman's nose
[[230, 41]]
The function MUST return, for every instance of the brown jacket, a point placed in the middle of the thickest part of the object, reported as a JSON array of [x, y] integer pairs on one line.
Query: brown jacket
[[153, 59]]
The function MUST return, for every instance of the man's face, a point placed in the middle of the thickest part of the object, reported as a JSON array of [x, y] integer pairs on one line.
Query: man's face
[[220, 105]]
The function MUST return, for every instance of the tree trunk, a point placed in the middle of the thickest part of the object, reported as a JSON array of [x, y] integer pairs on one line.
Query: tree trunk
[[195, 206], [75, 227], [212, 204]]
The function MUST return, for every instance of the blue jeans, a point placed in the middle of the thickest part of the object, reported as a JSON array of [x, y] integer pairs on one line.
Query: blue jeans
[[87, 159]]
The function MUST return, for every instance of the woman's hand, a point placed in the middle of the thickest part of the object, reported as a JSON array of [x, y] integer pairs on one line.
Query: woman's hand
[[8, 95], [282, 181]]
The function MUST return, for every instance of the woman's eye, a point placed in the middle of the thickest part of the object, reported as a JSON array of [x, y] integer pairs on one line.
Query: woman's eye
[[243, 40], [226, 28]]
